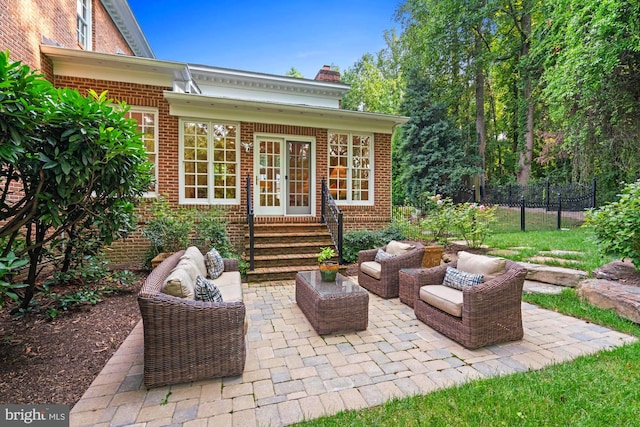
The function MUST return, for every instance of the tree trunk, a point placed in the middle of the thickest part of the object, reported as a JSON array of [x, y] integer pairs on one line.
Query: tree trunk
[[526, 156], [481, 132]]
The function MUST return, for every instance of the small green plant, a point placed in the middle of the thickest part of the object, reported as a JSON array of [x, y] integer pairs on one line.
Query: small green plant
[[438, 219], [326, 254], [473, 222], [616, 225], [8, 265]]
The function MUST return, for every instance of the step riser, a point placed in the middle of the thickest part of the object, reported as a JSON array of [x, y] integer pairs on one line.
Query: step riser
[[291, 239], [257, 229], [284, 262], [288, 251]]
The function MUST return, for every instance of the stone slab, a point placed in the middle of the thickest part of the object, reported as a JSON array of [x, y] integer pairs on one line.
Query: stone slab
[[607, 294], [532, 287], [554, 275], [547, 259]]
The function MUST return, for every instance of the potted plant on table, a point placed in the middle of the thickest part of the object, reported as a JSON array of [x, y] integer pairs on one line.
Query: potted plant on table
[[328, 268]]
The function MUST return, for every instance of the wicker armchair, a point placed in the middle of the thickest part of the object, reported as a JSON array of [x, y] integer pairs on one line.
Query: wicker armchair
[[386, 285], [187, 340], [491, 311]]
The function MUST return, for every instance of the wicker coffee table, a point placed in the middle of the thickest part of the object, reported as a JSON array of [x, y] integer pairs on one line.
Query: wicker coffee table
[[332, 306]]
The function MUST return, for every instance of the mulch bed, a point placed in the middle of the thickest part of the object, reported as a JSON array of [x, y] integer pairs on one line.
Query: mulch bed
[[54, 361]]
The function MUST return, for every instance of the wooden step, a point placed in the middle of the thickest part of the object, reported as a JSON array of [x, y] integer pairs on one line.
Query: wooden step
[[296, 236], [289, 247], [284, 260]]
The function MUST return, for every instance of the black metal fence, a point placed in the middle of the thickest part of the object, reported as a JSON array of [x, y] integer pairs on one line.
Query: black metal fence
[[538, 206]]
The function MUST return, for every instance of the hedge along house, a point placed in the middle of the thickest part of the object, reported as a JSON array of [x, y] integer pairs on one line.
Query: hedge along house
[[244, 141]]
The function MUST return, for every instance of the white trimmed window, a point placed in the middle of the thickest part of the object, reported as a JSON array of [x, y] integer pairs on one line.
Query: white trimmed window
[[351, 167], [147, 119], [209, 156], [84, 24]]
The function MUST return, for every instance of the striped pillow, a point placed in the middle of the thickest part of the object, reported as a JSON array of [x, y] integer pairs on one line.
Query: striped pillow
[[460, 280], [382, 255], [214, 263], [206, 290]]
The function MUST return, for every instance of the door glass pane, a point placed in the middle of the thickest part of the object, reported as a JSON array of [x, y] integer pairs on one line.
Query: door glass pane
[[269, 173], [298, 174]]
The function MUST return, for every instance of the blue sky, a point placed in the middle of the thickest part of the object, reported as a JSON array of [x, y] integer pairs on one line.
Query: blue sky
[[268, 36]]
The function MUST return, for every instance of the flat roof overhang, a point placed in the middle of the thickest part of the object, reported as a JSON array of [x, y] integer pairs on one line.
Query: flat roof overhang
[[211, 107]]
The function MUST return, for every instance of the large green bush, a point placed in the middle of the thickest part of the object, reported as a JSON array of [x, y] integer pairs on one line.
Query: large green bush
[[70, 166], [616, 225]]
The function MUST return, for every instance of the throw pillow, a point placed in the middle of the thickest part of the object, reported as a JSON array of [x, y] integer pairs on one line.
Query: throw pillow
[[214, 263], [178, 284], [398, 248], [460, 280], [207, 291], [489, 267], [382, 255], [193, 254]]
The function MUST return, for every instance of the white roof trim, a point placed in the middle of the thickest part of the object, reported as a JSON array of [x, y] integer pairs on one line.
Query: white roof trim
[[211, 107], [107, 66], [127, 23], [269, 82]]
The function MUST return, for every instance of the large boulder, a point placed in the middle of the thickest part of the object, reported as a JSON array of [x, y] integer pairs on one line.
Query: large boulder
[[554, 275], [624, 299]]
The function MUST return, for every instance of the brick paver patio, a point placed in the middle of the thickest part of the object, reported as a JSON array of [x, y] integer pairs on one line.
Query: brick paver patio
[[292, 374]]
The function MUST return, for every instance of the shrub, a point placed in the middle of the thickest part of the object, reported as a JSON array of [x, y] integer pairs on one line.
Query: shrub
[[616, 225], [473, 222], [359, 240], [168, 230], [439, 215]]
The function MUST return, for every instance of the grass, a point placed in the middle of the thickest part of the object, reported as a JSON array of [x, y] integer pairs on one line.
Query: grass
[[595, 390], [529, 243]]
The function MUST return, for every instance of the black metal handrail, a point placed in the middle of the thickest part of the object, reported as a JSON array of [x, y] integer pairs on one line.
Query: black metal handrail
[[250, 223], [332, 216]]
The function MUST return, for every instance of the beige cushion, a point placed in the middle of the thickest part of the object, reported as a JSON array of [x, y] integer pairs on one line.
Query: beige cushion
[[192, 253], [371, 268], [231, 292], [445, 298], [398, 248], [489, 267], [190, 267], [179, 284]]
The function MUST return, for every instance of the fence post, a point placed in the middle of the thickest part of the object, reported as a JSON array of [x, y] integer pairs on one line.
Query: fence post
[[559, 212], [473, 190], [593, 193], [548, 195], [521, 213]]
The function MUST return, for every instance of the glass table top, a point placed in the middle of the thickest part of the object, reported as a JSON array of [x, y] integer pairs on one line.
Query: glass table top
[[342, 285]]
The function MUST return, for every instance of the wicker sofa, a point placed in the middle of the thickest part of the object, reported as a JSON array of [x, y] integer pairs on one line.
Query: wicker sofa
[[381, 277], [187, 340], [488, 313]]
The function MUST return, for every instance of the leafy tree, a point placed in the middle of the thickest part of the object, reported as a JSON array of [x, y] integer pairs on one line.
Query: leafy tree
[[590, 56], [432, 153], [70, 164], [376, 81], [293, 72]]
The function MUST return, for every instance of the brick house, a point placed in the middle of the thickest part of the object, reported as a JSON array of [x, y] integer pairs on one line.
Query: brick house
[[215, 134]]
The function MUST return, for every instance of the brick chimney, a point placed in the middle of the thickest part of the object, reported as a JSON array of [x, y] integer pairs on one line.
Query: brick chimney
[[326, 74]]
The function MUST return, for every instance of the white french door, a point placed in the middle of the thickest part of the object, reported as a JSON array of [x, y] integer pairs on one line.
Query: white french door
[[282, 170]]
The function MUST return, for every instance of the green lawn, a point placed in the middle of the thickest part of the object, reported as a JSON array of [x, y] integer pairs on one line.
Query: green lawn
[[596, 390]]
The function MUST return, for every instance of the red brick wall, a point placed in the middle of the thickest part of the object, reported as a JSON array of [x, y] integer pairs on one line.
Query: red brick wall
[[130, 252], [106, 36], [23, 23]]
